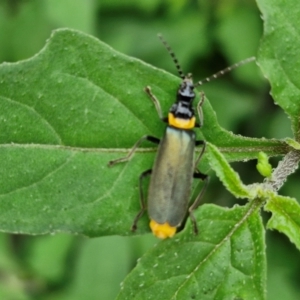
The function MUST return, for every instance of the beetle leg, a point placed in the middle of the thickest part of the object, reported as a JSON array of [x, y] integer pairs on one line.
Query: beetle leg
[[142, 199], [146, 137], [197, 143], [131, 152], [203, 177], [199, 110], [196, 203], [156, 103]]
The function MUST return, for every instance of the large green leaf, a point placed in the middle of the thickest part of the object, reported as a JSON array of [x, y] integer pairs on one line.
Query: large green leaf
[[279, 55], [63, 115], [225, 261]]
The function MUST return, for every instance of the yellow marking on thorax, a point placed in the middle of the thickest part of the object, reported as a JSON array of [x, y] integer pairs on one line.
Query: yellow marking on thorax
[[181, 123]]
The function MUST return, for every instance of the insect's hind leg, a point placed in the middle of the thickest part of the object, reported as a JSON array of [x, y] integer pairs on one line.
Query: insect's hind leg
[[196, 203], [142, 199], [131, 152], [197, 143], [203, 177], [199, 110]]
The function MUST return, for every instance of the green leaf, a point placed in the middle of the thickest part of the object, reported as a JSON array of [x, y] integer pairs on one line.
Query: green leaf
[[225, 261], [285, 217], [61, 119], [227, 175], [237, 147], [64, 114], [263, 166], [279, 55]]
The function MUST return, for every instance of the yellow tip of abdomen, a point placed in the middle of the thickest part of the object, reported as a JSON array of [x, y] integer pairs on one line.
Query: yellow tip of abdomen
[[162, 231]]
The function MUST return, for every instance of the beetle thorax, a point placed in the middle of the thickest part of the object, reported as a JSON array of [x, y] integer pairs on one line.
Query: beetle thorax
[[186, 90]]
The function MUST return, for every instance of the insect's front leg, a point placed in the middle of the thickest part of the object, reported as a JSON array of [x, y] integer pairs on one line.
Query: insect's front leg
[[199, 110], [156, 103]]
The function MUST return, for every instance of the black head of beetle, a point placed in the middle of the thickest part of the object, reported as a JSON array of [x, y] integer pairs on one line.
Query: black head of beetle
[[186, 90]]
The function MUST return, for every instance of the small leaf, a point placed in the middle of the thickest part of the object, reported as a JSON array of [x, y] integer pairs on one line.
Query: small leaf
[[285, 216], [227, 175], [226, 260], [263, 166]]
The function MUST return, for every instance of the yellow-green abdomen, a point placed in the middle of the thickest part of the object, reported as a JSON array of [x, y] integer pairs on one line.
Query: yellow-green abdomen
[[171, 178]]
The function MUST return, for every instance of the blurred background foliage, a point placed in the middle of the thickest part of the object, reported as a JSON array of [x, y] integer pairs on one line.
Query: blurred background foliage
[[206, 37]]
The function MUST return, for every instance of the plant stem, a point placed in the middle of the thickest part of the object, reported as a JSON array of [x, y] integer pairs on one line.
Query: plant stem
[[287, 166]]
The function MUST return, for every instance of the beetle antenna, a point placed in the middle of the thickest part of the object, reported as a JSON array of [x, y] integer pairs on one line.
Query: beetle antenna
[[174, 58], [224, 71]]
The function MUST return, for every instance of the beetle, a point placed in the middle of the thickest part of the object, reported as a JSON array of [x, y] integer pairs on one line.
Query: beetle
[[175, 165]]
